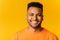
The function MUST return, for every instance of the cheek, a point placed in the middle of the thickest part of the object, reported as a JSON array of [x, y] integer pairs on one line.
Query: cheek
[[39, 18], [29, 18]]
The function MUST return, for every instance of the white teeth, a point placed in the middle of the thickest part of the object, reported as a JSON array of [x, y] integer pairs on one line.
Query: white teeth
[[34, 21]]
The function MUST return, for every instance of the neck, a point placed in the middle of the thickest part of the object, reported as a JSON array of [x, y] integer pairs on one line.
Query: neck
[[34, 29]]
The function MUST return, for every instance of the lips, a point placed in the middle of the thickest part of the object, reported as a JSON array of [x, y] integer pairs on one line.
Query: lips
[[34, 22]]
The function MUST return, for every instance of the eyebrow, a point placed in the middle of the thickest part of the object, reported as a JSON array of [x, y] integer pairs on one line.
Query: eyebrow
[[39, 13]]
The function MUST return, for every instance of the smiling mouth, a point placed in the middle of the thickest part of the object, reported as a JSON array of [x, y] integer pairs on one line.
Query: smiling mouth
[[34, 22]]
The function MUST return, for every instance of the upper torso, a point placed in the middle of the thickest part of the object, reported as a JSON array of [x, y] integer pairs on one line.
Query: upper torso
[[28, 35]]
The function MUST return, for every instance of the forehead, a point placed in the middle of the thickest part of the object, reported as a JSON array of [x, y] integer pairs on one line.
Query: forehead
[[34, 10]]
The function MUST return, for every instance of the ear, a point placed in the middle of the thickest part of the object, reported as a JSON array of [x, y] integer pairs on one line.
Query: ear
[[42, 17]]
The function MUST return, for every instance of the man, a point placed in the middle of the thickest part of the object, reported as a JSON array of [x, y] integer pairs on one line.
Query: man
[[34, 31]]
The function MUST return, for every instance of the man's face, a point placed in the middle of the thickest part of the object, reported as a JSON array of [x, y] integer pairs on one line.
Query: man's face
[[34, 16]]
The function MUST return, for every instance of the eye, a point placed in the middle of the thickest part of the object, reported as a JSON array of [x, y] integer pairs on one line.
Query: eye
[[39, 14], [31, 14]]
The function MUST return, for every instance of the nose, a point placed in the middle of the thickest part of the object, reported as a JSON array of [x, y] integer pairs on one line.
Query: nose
[[35, 17]]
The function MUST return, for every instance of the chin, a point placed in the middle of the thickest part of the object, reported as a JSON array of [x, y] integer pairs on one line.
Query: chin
[[34, 26]]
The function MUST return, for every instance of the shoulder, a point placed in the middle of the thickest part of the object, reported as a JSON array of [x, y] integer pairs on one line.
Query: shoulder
[[17, 34], [23, 31], [51, 36]]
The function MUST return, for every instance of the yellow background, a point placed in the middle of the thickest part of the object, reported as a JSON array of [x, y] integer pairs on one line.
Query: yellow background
[[13, 16]]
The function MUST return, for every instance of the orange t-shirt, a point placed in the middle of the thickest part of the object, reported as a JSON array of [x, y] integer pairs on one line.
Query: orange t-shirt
[[28, 35]]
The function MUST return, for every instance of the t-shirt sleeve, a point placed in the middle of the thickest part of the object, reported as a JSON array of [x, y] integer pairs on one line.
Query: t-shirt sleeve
[[55, 38], [51, 36]]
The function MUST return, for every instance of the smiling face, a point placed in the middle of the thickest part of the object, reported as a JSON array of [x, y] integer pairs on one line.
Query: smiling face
[[34, 17]]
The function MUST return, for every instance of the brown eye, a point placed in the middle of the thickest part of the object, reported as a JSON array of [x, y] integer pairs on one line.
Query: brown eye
[[31, 14], [39, 14]]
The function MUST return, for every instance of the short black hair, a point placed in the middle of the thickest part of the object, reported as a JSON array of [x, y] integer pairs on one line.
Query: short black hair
[[35, 4]]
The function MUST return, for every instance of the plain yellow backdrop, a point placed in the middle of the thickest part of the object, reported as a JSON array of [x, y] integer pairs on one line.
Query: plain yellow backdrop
[[13, 16]]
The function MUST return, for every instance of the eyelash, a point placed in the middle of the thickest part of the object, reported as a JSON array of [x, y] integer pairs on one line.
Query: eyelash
[[39, 15]]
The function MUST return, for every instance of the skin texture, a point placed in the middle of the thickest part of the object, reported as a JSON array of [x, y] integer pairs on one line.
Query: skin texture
[[34, 17]]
